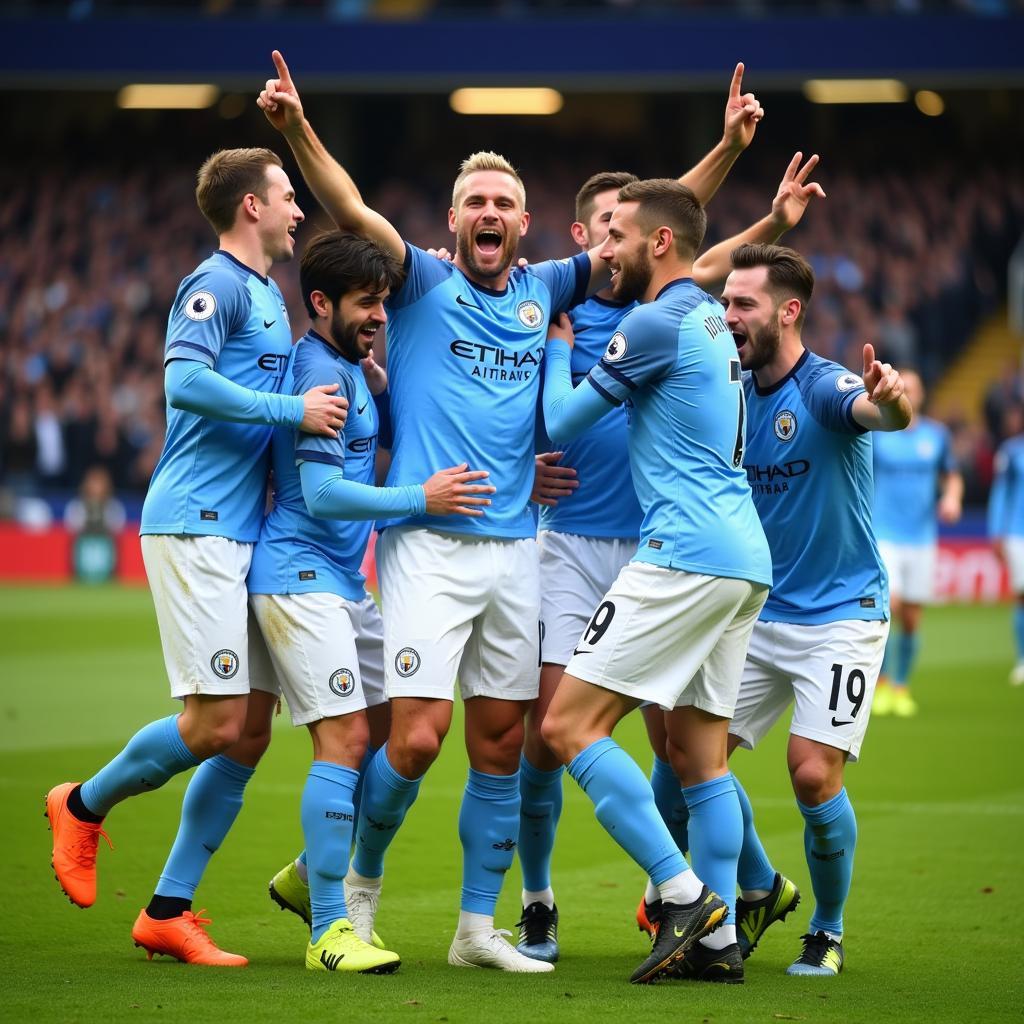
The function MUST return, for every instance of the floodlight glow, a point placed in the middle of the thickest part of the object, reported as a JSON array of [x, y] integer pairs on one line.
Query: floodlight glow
[[506, 101], [167, 97], [855, 90], [928, 102]]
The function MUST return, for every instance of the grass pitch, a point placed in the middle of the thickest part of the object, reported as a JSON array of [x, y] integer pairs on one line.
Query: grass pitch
[[931, 925]]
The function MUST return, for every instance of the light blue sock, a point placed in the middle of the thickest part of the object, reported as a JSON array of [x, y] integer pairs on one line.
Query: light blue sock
[[153, 755], [671, 804], [212, 802], [1018, 629], [716, 836], [489, 830], [889, 656], [540, 809], [907, 646], [830, 839], [367, 758], [387, 796], [624, 804], [327, 822], [755, 869]]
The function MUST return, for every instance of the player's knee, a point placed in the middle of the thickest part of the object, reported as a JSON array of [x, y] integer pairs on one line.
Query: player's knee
[[556, 734], [341, 740], [815, 781], [213, 736], [413, 752], [537, 752]]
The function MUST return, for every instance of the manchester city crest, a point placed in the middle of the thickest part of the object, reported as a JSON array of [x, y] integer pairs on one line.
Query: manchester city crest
[[530, 314], [224, 664], [785, 425], [342, 682], [407, 661]]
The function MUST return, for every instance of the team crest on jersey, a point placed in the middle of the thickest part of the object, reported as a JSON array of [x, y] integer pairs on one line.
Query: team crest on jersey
[[848, 381], [407, 661], [342, 682], [200, 306], [224, 664], [530, 314], [616, 347], [785, 425]]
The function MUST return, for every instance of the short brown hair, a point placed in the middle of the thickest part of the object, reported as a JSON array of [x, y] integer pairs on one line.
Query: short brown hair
[[665, 202], [336, 264], [789, 275], [487, 160], [603, 181], [226, 178]]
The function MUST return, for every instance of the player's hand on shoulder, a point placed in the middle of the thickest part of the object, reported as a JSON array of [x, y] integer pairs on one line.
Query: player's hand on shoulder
[[562, 328], [279, 99], [457, 491], [795, 192], [375, 374], [324, 412], [441, 254], [550, 480], [743, 113]]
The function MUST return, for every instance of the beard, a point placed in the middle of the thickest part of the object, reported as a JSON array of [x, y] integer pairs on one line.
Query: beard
[[633, 278], [345, 335], [464, 249], [763, 346]]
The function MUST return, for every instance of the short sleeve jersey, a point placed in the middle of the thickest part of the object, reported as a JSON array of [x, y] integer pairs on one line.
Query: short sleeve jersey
[[809, 467], [674, 362], [1006, 502], [605, 503], [298, 553], [212, 475], [907, 467], [463, 372]]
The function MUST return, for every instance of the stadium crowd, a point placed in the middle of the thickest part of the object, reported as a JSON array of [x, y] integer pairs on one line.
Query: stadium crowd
[[84, 293]]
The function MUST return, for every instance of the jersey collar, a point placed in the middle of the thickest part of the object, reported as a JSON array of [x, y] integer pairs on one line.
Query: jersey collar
[[785, 380], [239, 263], [673, 284]]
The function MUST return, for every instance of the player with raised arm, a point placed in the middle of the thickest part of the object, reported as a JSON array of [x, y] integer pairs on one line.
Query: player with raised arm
[[1006, 523], [228, 339], [589, 534], [912, 468], [821, 635], [673, 627]]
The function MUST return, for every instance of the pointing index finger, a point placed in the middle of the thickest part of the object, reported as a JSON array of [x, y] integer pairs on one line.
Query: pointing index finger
[[737, 81], [282, 68]]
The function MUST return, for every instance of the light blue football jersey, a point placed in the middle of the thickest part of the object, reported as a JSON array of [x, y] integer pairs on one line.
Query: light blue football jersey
[[463, 376], [674, 361], [809, 467], [298, 553], [1006, 502], [605, 503], [907, 467], [212, 475]]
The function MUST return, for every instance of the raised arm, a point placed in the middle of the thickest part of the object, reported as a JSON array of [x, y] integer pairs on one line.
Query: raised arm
[[712, 267], [742, 114], [883, 406], [328, 180]]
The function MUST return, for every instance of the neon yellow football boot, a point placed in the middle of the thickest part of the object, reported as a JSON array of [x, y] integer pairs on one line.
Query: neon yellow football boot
[[340, 949]]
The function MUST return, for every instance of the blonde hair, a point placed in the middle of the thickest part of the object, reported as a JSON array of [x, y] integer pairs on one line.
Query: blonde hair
[[487, 160]]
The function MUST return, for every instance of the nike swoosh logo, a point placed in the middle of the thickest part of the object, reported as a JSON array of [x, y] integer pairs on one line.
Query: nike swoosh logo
[[269, 323], [359, 411], [462, 302], [578, 651], [835, 723], [678, 934]]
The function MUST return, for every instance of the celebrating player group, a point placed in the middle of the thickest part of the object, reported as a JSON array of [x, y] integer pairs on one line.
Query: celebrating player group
[[705, 553]]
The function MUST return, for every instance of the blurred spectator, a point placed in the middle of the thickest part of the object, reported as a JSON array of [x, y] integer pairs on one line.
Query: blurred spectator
[[95, 517]]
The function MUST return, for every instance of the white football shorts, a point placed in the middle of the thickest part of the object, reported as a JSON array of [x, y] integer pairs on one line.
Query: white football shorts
[[829, 671], [1014, 547], [670, 637], [911, 569], [575, 573], [459, 606], [198, 588], [326, 654]]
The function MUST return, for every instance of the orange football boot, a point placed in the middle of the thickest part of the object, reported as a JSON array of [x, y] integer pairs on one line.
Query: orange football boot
[[74, 847], [647, 917], [184, 938]]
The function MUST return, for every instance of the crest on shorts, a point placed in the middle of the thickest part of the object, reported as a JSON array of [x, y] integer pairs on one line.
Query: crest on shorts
[[530, 314], [342, 682], [224, 664], [407, 661], [616, 348], [848, 381], [199, 306], [785, 425]]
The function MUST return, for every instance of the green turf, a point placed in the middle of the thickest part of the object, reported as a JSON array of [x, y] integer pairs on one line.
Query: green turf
[[930, 925]]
